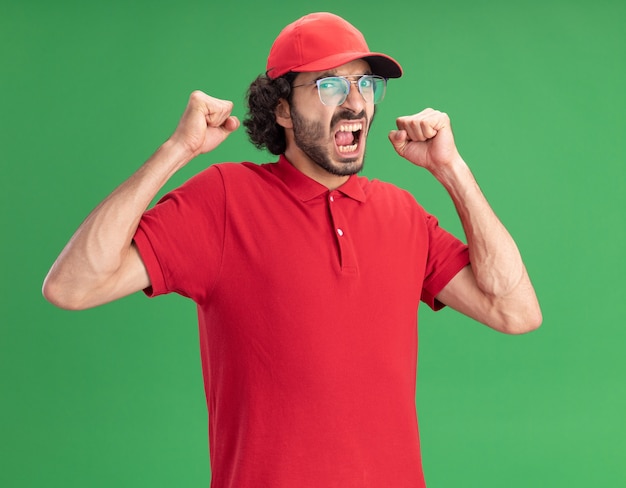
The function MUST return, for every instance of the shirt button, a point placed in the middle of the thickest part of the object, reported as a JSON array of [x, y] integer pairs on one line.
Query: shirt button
[[340, 232], [332, 198]]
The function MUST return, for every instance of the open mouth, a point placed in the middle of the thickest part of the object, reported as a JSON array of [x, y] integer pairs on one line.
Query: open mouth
[[348, 136]]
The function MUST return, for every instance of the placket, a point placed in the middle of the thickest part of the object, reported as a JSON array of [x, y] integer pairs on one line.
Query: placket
[[343, 237]]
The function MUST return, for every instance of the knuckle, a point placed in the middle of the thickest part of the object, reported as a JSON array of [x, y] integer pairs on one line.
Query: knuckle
[[196, 95]]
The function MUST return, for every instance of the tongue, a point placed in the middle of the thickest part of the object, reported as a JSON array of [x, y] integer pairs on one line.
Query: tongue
[[344, 138]]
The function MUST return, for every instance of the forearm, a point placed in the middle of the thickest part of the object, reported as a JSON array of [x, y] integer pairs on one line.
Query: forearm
[[506, 299], [496, 260], [102, 244]]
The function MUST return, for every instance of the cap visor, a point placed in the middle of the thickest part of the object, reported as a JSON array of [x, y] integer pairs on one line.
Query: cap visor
[[381, 64]]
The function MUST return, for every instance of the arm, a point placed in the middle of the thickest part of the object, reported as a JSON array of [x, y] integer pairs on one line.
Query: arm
[[496, 289], [100, 262]]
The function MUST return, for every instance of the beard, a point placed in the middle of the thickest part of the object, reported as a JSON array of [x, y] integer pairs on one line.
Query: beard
[[311, 137]]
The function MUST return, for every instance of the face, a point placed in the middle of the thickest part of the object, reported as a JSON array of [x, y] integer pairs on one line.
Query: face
[[330, 138]]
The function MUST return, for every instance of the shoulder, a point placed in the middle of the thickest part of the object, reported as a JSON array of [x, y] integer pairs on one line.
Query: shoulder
[[224, 174], [241, 168], [241, 172]]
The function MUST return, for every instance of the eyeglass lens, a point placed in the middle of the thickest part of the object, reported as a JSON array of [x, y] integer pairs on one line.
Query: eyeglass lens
[[334, 90]]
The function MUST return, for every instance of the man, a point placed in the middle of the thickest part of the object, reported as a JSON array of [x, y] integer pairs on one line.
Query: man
[[307, 277]]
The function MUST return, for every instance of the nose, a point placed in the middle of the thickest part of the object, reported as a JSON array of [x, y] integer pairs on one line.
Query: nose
[[354, 101]]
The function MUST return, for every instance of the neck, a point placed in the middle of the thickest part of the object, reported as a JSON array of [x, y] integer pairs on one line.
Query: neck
[[305, 165]]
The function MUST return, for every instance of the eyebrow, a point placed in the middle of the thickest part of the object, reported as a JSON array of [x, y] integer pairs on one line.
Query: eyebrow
[[326, 74]]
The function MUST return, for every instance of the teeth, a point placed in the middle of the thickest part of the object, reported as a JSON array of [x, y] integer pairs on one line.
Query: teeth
[[350, 127], [346, 149]]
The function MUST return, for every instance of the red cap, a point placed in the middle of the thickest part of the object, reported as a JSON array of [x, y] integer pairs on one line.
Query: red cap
[[322, 41]]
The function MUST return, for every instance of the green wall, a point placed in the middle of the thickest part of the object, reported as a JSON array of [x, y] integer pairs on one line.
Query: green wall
[[113, 396]]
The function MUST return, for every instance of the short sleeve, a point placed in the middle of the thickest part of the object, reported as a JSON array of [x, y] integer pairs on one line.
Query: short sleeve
[[181, 238], [447, 255]]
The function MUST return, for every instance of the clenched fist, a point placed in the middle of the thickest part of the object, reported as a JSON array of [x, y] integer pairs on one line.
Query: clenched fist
[[204, 125], [426, 140]]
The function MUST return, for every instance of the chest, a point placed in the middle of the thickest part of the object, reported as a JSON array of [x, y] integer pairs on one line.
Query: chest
[[332, 244]]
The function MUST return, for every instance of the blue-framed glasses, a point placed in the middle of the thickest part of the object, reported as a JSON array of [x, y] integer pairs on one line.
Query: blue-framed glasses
[[333, 90]]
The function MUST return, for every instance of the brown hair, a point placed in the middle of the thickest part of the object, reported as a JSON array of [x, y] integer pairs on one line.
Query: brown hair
[[263, 96]]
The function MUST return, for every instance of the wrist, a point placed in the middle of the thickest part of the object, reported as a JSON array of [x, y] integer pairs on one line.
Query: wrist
[[449, 174], [179, 154]]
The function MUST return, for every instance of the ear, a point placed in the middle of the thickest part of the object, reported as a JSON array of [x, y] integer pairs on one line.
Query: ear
[[283, 114]]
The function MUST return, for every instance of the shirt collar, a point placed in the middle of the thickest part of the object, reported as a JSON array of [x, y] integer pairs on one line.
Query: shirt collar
[[307, 188]]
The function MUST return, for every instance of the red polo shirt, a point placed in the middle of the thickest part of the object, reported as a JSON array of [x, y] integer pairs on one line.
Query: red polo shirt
[[307, 304]]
